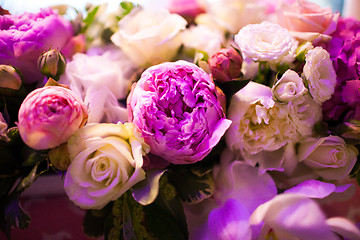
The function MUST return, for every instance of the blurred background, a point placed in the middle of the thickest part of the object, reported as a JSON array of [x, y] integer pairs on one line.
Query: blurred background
[[18, 6]]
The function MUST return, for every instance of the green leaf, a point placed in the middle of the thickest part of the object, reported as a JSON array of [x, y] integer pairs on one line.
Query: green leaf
[[127, 6], [192, 188], [94, 221], [350, 131], [12, 214], [28, 180], [232, 87], [165, 217], [90, 17]]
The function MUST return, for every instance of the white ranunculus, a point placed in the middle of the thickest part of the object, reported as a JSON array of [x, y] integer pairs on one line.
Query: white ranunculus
[[101, 80], [330, 157], [264, 42], [232, 15], [320, 74], [305, 112], [258, 122], [106, 161], [202, 38], [289, 87], [149, 36]]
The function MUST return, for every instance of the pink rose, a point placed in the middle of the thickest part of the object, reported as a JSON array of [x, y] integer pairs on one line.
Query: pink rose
[[49, 116], [305, 16]]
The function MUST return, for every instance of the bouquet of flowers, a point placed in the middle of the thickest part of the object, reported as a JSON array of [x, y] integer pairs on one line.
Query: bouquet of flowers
[[204, 120]]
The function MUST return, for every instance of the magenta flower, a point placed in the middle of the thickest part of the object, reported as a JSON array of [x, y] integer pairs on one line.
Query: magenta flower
[[344, 52], [178, 110], [24, 37]]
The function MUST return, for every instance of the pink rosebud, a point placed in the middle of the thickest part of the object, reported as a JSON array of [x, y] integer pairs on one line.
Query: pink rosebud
[[226, 65], [49, 116]]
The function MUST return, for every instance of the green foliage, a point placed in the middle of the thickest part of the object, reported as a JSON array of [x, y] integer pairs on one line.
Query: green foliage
[[95, 221], [90, 17], [19, 168], [191, 187], [127, 7], [232, 87]]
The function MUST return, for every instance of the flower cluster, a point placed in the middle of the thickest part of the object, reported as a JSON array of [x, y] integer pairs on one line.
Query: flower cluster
[[222, 119]]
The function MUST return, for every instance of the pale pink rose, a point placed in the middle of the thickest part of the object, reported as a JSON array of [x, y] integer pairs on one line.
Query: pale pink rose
[[306, 16], [330, 157], [49, 116]]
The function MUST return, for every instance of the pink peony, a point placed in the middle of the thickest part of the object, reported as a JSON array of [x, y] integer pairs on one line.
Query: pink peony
[[24, 37], [49, 116], [177, 108]]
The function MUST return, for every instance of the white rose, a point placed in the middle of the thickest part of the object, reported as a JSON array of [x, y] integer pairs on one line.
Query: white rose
[[106, 161], [289, 87], [320, 74], [93, 79], [330, 157], [258, 123], [232, 15], [149, 36], [304, 113], [202, 38], [264, 42]]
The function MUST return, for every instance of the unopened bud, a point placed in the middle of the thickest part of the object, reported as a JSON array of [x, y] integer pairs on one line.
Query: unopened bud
[[59, 157], [52, 64], [302, 50], [226, 65], [9, 78]]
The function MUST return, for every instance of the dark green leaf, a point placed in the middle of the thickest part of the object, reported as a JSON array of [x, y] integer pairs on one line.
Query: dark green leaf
[[8, 163], [232, 87], [191, 187], [350, 131], [28, 180], [94, 221], [14, 214], [163, 221], [32, 157]]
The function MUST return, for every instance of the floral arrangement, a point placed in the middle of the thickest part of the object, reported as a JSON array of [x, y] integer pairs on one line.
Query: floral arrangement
[[203, 120]]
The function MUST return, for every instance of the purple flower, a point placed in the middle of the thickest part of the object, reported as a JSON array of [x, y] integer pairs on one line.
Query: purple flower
[[344, 49], [24, 37], [178, 110]]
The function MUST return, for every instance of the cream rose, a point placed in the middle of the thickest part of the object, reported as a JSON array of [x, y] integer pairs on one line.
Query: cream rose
[[330, 157], [289, 87], [264, 42], [258, 123], [149, 36], [320, 74], [106, 161]]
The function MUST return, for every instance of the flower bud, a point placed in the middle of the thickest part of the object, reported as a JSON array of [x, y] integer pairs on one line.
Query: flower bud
[[52, 64], [9, 78], [226, 65], [59, 157]]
